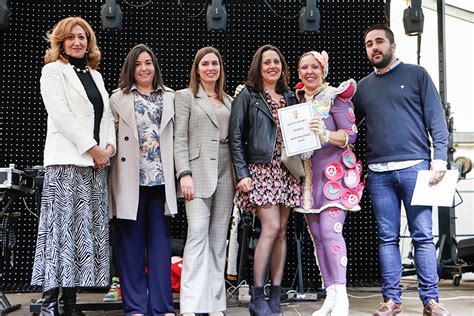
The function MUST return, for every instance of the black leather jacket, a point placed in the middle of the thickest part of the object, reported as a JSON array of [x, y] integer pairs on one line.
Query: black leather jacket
[[252, 130]]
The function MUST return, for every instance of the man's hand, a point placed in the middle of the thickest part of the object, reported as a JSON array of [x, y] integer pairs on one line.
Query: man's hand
[[438, 169]]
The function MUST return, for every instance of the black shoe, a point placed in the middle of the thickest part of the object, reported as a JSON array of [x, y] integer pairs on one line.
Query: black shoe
[[274, 300], [49, 304], [258, 306], [68, 300]]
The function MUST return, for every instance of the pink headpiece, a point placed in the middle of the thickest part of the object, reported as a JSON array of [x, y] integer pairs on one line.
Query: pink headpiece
[[323, 59]]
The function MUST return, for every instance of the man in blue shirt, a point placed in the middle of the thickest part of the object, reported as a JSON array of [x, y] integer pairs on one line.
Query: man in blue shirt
[[404, 119]]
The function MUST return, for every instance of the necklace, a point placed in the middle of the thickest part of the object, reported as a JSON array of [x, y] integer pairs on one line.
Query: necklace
[[85, 70], [211, 95]]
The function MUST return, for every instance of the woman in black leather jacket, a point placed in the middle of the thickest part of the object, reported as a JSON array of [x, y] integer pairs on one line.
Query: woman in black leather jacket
[[264, 185]]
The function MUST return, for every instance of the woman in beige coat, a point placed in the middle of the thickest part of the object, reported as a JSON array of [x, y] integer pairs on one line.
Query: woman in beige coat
[[143, 184]]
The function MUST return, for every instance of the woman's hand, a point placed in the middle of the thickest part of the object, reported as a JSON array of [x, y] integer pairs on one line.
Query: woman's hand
[[317, 125], [110, 150], [239, 89], [101, 157], [187, 187], [245, 184]]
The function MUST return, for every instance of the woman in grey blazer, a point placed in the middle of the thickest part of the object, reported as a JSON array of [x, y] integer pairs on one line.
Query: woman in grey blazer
[[143, 185], [204, 170]]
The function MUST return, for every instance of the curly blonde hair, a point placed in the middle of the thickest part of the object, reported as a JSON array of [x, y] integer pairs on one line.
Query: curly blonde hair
[[59, 34]]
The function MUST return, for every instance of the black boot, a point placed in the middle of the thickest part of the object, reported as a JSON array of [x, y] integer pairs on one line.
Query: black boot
[[258, 306], [49, 304], [68, 300], [274, 299]]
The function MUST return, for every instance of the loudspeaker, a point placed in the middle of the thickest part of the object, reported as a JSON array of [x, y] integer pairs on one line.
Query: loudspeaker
[[466, 250]]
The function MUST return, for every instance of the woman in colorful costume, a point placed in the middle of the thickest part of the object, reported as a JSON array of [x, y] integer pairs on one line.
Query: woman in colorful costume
[[331, 186]]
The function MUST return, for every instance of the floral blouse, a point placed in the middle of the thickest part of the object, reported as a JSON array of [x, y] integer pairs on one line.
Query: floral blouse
[[148, 111]]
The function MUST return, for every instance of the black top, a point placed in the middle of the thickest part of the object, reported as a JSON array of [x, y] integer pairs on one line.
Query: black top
[[92, 92]]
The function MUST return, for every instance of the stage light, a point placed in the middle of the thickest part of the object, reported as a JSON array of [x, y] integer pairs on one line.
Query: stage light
[[413, 19], [4, 15], [309, 17], [216, 16], [111, 15]]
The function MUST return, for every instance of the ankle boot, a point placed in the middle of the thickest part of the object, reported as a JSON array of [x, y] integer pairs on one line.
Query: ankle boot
[[258, 306], [49, 304], [329, 302], [274, 300], [68, 299], [342, 302]]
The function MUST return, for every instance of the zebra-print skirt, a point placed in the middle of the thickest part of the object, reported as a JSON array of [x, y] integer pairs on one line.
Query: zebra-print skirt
[[72, 247]]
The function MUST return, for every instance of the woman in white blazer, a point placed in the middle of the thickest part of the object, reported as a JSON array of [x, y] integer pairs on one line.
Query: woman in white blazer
[[204, 170], [73, 232], [143, 184]]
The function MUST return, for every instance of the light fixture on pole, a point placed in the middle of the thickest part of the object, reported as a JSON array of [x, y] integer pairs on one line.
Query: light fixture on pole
[[111, 15], [216, 16], [4, 15], [413, 19], [309, 17]]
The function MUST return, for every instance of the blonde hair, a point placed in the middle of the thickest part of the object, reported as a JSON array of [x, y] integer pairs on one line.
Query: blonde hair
[[60, 33], [194, 80]]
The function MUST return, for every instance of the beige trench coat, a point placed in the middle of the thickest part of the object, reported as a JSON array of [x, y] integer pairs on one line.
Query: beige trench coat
[[124, 175]]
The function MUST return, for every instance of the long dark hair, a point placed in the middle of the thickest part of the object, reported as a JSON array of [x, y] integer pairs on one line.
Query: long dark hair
[[127, 78], [254, 77]]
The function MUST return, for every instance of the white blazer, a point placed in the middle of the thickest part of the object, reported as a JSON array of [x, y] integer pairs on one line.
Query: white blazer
[[70, 132]]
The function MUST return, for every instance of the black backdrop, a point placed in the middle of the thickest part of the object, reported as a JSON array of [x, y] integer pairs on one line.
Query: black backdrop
[[175, 30]]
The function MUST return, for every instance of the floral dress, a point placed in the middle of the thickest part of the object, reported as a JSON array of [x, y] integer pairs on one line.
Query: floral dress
[[272, 183]]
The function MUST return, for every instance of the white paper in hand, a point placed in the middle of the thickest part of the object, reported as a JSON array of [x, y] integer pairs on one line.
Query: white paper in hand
[[441, 194]]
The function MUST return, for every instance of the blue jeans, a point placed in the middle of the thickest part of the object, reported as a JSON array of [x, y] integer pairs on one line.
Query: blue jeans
[[387, 190]]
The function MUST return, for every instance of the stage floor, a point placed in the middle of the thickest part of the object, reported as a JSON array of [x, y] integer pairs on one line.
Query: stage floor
[[363, 301]]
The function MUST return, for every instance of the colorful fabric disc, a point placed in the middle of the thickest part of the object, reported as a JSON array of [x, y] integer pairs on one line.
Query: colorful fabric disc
[[332, 190], [348, 158], [350, 198], [333, 171], [344, 261], [351, 178], [338, 227], [359, 166], [335, 249], [351, 116], [333, 212]]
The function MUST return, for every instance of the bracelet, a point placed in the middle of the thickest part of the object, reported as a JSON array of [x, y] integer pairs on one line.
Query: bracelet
[[325, 135]]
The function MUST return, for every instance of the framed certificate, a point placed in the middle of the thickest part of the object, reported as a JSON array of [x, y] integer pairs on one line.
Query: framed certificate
[[297, 136]]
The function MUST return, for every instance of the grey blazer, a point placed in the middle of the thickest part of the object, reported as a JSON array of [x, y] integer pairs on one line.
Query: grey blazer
[[196, 143], [124, 176]]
